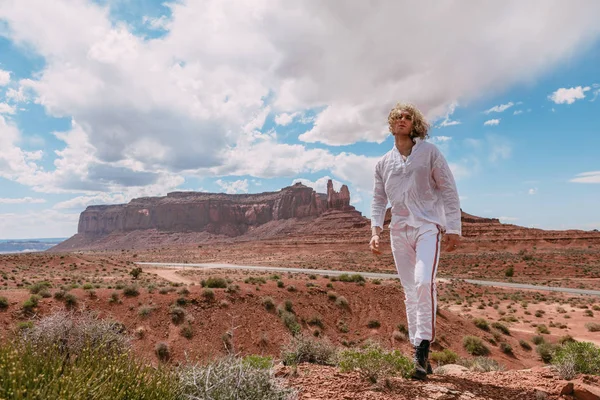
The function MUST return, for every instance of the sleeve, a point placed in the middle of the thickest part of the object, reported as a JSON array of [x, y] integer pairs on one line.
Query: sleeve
[[380, 200], [442, 175]]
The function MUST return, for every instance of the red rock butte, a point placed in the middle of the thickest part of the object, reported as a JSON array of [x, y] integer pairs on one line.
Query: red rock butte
[[295, 212]]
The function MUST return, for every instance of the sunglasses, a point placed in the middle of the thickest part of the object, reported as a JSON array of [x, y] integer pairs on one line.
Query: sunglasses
[[407, 117]]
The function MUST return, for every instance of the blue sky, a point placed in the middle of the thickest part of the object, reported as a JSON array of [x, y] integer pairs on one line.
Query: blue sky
[[104, 101]]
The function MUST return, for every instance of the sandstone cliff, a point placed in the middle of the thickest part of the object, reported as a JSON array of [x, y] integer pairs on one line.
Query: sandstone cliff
[[231, 215]]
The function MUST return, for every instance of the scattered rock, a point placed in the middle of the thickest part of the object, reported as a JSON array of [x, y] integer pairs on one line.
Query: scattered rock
[[451, 369], [582, 391], [565, 389]]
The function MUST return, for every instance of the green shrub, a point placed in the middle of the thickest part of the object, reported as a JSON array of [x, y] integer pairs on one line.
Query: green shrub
[[255, 280], [316, 321], [351, 278], [232, 378], [268, 303], [60, 295], [577, 358], [70, 333], [537, 340], [444, 357], [70, 300], [331, 295], [342, 302], [258, 362], [510, 271], [524, 344], [288, 306], [30, 304], [546, 351], [289, 320], [3, 303], [542, 329], [162, 351], [214, 283], [36, 288], [93, 374], [177, 314], [303, 348], [280, 284], [481, 364], [475, 346], [374, 363], [145, 311], [187, 331], [481, 324], [506, 348], [135, 272], [208, 294], [501, 327], [131, 291], [566, 339], [373, 324], [593, 326]]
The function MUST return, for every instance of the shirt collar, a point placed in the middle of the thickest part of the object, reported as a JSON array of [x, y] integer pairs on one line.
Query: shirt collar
[[418, 142]]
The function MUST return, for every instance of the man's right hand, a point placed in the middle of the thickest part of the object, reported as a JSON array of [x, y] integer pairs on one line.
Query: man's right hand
[[374, 245]]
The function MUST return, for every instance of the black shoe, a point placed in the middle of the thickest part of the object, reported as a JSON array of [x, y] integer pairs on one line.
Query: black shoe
[[420, 373], [422, 366]]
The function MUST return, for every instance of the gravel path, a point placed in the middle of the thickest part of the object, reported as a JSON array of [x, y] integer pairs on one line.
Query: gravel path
[[371, 275]]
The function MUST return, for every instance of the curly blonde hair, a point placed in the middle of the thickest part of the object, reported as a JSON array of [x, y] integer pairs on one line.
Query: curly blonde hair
[[420, 124]]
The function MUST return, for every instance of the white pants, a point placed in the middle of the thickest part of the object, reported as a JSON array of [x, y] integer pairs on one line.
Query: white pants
[[416, 254]]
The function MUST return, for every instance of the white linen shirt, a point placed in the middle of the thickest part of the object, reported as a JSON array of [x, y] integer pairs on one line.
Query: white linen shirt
[[421, 189]]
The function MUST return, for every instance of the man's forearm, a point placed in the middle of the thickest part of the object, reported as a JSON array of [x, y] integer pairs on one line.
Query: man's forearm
[[376, 230]]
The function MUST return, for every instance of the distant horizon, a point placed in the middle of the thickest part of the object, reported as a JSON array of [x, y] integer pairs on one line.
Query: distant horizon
[[34, 239]]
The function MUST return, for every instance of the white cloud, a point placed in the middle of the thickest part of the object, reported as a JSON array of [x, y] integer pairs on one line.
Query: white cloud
[[39, 224], [447, 121], [587, 177], [17, 96], [568, 96], [491, 122], [161, 23], [81, 202], [16, 164], [6, 109], [517, 112], [341, 124], [21, 200], [239, 186], [320, 185], [4, 77], [284, 119], [532, 191], [206, 79], [507, 219], [596, 92], [440, 139], [500, 108]]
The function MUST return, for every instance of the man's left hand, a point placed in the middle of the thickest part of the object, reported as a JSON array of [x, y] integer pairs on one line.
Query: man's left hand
[[452, 242]]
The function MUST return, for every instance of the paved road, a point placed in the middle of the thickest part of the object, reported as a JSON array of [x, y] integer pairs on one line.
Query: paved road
[[371, 275]]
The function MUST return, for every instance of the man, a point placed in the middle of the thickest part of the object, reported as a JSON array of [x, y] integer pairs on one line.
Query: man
[[414, 176]]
